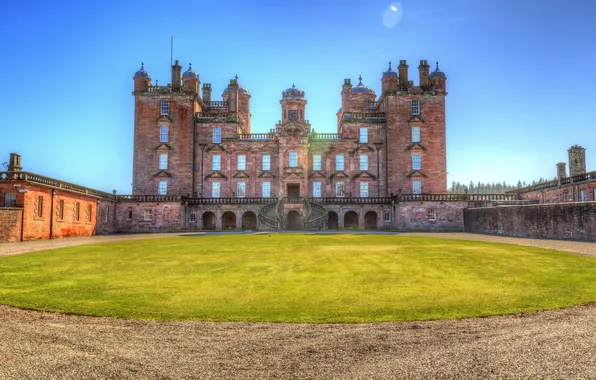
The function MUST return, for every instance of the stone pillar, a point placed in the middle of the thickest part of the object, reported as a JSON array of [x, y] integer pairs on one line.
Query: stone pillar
[[218, 223]]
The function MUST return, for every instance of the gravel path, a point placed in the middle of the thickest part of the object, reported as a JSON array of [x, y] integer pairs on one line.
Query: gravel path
[[553, 344]]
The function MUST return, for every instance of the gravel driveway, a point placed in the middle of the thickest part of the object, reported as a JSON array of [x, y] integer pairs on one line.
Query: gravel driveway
[[551, 344]]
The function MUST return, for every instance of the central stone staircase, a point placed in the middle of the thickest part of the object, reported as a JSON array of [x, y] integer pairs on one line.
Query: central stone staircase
[[314, 214]]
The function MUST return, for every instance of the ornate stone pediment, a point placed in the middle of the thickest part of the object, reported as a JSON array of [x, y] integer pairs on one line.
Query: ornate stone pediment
[[164, 119], [339, 174], [215, 148], [317, 174], [415, 119], [416, 146], [216, 174], [364, 148], [163, 146], [162, 174], [266, 174], [364, 175], [417, 174], [241, 174], [297, 172]]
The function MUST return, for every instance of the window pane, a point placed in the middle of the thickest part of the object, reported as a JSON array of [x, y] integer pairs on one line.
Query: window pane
[[163, 161], [216, 162], [266, 189], [416, 162], [364, 189], [163, 188], [217, 135], [340, 189], [363, 162], [165, 107], [339, 162], [266, 162], [293, 159], [241, 162], [415, 134], [363, 135], [241, 189], [163, 133], [316, 189], [215, 189], [415, 107], [316, 165], [10, 200], [416, 187]]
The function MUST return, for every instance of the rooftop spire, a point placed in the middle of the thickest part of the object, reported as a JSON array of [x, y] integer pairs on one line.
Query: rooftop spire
[[389, 65], [360, 79]]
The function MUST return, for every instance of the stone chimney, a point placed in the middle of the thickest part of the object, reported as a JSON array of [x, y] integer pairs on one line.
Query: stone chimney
[[561, 171], [577, 160], [176, 74], [403, 74], [346, 96], [423, 71], [233, 95], [14, 165], [207, 93]]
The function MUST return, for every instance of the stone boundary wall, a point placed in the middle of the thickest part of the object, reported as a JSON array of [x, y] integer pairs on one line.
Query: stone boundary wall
[[11, 220], [571, 221], [414, 216]]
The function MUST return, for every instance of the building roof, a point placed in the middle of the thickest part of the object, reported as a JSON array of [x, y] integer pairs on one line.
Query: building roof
[[293, 93], [390, 73], [190, 73], [438, 73], [241, 90], [142, 73], [362, 89]]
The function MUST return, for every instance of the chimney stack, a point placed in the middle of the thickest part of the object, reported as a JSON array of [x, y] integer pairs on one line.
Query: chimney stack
[[176, 74], [561, 171], [403, 74], [423, 70], [14, 165], [207, 93], [577, 160]]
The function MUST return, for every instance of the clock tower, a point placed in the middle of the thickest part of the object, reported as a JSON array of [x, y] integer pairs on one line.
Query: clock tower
[[292, 106]]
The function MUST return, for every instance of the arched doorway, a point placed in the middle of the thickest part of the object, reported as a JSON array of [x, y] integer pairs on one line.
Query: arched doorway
[[249, 221], [209, 221], [332, 221], [228, 221], [370, 220], [294, 220], [351, 220]]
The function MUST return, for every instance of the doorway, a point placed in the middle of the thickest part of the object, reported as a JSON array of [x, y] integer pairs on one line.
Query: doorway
[[293, 190]]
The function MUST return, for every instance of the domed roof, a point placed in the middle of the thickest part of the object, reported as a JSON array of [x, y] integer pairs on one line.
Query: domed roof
[[142, 73], [390, 73], [340, 109], [438, 73], [241, 90], [190, 73], [293, 93], [362, 89]]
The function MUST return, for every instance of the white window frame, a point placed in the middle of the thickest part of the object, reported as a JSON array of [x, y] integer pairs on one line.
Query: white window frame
[[147, 215], [432, 214], [163, 161], [317, 189], [316, 162], [415, 134], [107, 215], [241, 162], [10, 199], [293, 159], [340, 189], [363, 162], [416, 162], [387, 216], [416, 187], [415, 107], [164, 133], [192, 217], [162, 188], [216, 162], [266, 162], [217, 135], [339, 162], [583, 195], [363, 135], [165, 107], [266, 189], [363, 189], [215, 189], [240, 189]]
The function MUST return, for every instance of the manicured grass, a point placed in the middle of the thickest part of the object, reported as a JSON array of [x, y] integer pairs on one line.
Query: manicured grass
[[297, 278]]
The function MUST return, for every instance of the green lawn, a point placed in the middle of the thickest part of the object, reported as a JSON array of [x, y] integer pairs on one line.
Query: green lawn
[[297, 278]]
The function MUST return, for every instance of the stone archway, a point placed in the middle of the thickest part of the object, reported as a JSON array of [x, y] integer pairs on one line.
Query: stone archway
[[332, 221], [209, 221], [294, 220], [370, 220], [351, 220], [228, 221], [249, 221]]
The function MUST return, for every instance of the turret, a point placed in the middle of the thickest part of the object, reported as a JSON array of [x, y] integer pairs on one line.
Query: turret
[[207, 93], [423, 72], [362, 95], [403, 74], [438, 79], [389, 81], [577, 160], [346, 96], [176, 72], [190, 80], [142, 79], [293, 105]]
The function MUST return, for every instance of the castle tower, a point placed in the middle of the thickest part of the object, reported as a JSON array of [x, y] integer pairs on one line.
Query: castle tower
[[190, 80], [362, 95], [142, 79], [577, 160], [293, 105], [238, 98], [389, 81], [438, 79]]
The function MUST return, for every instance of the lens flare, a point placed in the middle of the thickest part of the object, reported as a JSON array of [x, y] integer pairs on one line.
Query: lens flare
[[392, 15]]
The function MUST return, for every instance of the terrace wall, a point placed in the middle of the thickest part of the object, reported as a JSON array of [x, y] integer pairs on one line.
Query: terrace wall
[[414, 216], [572, 221], [11, 220], [147, 217]]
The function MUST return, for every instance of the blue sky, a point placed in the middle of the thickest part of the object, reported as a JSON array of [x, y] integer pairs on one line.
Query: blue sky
[[520, 73]]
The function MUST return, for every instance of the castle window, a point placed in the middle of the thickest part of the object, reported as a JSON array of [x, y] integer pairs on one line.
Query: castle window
[[193, 217], [217, 135], [162, 188], [89, 213], [241, 189], [215, 187], [10, 200], [363, 135], [363, 189], [293, 159], [416, 187], [241, 162], [77, 210], [415, 107], [416, 165], [317, 188], [415, 134], [130, 213], [107, 215], [266, 162], [387, 216], [339, 162], [316, 162], [163, 161], [165, 107], [340, 190], [363, 162], [216, 162], [61, 209], [432, 215], [583, 195], [40, 206], [163, 133], [266, 190], [147, 215]]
